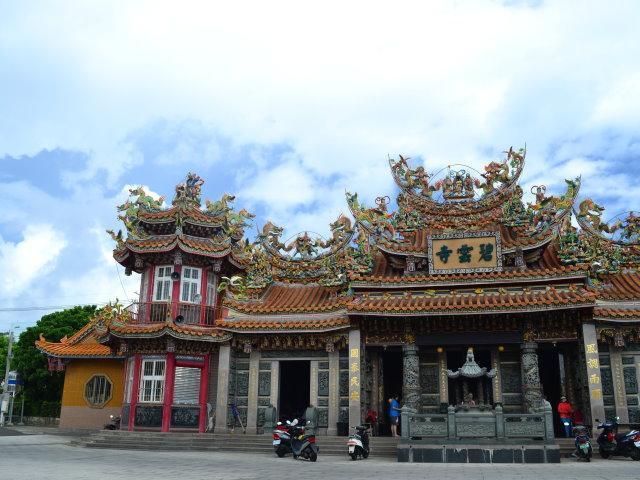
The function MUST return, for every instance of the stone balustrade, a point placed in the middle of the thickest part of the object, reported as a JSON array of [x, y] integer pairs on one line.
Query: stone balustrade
[[474, 423]]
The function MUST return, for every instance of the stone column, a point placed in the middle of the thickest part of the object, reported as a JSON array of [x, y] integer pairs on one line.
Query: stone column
[[275, 386], [411, 376], [443, 379], [531, 386], [619, 392], [334, 393], [313, 383], [375, 381], [496, 382], [252, 394], [222, 400], [354, 378], [592, 360]]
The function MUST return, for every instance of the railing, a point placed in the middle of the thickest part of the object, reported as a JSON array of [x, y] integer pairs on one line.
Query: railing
[[478, 424], [159, 312]]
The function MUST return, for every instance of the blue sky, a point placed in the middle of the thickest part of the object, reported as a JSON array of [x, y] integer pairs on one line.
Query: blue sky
[[287, 105]]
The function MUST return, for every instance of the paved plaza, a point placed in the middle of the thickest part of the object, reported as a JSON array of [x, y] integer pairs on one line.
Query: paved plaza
[[51, 457]]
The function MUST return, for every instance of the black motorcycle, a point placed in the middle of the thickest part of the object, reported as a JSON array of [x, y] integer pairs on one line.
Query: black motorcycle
[[303, 445], [611, 443], [583, 443], [113, 424], [358, 443]]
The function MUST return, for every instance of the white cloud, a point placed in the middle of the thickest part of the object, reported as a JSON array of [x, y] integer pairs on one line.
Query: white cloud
[[30, 259]]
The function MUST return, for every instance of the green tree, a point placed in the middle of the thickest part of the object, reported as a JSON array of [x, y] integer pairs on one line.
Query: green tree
[[4, 346], [42, 388]]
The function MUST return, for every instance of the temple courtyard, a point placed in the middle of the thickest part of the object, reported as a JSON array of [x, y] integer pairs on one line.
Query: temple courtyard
[[45, 456]]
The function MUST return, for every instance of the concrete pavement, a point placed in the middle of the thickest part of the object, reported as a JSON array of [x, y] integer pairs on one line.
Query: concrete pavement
[[51, 457]]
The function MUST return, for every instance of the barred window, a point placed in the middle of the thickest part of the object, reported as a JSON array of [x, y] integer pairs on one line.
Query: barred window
[[97, 391]]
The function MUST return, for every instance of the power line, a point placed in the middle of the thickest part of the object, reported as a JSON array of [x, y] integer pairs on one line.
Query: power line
[[45, 307]]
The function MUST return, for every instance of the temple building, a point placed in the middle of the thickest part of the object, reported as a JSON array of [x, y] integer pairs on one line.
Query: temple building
[[464, 294]]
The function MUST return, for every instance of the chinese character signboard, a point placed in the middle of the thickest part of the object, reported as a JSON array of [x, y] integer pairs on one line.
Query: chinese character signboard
[[465, 252]]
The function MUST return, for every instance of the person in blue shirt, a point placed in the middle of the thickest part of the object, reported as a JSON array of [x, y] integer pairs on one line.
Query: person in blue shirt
[[394, 415]]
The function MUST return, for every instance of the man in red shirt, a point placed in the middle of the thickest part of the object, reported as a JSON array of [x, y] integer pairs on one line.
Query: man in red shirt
[[565, 410]]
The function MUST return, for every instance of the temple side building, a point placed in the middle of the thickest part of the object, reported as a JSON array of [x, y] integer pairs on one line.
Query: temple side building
[[463, 294]]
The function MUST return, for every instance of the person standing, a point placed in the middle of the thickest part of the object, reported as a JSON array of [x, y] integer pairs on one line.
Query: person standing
[[565, 411], [394, 415]]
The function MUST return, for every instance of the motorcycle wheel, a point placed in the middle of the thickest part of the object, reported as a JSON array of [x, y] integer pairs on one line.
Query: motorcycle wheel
[[353, 456], [280, 453], [604, 454], [295, 457], [365, 454], [635, 454], [313, 456]]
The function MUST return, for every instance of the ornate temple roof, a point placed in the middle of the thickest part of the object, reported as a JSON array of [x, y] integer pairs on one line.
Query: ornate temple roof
[[213, 231]]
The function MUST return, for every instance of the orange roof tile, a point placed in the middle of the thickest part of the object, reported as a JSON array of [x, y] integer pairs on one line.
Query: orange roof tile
[[619, 286], [78, 350], [616, 313]]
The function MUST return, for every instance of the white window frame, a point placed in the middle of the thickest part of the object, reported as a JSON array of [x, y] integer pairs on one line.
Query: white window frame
[[162, 283], [193, 285], [152, 385]]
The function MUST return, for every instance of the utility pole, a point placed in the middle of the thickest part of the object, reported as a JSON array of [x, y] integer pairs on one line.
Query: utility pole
[[4, 400]]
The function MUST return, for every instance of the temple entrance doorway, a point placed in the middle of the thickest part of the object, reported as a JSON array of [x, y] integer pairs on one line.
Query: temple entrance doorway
[[295, 389], [391, 360], [550, 378]]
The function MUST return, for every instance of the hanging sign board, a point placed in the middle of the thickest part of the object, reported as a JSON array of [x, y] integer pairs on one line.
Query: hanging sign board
[[464, 252]]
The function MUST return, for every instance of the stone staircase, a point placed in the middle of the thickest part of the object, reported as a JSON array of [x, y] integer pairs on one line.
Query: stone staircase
[[381, 447]]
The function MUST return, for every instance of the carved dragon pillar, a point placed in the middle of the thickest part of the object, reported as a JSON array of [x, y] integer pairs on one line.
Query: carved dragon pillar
[[411, 374], [531, 386]]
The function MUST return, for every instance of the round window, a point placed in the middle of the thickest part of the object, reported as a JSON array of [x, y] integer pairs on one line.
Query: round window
[[97, 391]]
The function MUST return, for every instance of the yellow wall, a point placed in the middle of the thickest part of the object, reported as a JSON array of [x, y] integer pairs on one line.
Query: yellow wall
[[78, 372]]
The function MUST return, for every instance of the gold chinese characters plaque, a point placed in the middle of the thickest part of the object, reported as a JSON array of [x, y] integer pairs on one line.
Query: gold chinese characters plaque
[[465, 252]]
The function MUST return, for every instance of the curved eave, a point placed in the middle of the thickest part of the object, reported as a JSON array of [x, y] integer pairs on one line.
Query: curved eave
[[192, 215], [185, 243], [301, 330], [185, 333], [459, 311], [527, 277]]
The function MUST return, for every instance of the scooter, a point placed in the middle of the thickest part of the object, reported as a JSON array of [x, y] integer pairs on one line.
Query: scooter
[[358, 443], [303, 445], [282, 438], [583, 443], [612, 443], [113, 424]]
